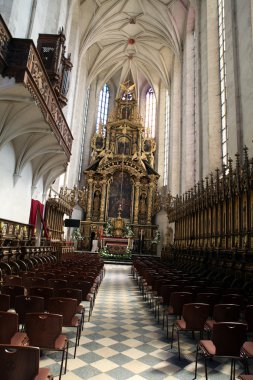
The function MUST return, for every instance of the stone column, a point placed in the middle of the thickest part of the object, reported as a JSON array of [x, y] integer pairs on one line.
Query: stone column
[[103, 196], [175, 130], [213, 89], [136, 201]]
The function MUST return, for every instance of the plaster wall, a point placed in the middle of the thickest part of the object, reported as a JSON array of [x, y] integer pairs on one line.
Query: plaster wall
[[15, 199]]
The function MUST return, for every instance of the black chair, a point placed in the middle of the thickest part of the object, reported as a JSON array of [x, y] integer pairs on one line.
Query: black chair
[[227, 340], [194, 318], [22, 363]]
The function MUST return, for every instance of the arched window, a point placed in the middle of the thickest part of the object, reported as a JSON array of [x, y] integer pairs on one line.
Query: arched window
[[85, 115], [150, 112], [103, 105], [223, 90], [166, 139]]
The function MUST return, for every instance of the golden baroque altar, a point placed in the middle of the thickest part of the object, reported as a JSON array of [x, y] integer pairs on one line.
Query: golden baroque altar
[[121, 181]]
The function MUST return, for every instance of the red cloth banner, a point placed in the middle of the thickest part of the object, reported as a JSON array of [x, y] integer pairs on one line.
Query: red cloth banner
[[37, 206]]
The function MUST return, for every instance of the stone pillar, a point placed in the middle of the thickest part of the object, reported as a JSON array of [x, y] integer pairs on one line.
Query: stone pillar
[[103, 197], [175, 130], [89, 197], [136, 201], [213, 88]]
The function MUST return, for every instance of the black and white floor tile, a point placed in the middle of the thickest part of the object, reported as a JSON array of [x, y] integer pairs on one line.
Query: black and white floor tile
[[123, 340]]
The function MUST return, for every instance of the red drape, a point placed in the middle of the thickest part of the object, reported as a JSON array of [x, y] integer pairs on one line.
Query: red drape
[[37, 206]]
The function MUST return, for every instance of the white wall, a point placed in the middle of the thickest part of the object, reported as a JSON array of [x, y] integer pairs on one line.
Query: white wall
[[15, 199]]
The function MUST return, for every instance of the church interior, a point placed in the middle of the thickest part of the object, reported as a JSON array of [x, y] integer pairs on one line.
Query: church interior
[[126, 197]]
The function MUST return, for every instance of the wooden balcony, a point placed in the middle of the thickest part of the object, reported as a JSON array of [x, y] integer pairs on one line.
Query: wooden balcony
[[19, 59]]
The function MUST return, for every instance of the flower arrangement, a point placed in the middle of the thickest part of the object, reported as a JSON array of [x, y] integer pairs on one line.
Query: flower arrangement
[[108, 228], [76, 234], [157, 237], [128, 232]]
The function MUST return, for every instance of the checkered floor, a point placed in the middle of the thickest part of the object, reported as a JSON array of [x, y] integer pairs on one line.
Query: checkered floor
[[123, 340]]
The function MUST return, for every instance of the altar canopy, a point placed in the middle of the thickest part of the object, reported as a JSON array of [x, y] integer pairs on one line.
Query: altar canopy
[[121, 179]]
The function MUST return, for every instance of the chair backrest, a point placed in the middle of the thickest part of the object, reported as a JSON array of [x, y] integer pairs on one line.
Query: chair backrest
[[64, 306], [70, 293], [28, 304], [195, 315], [43, 329], [5, 302], [232, 299], [210, 298], [29, 282], [19, 362], [42, 291], [166, 291], [8, 326], [228, 338], [12, 280], [178, 299], [13, 291], [226, 312], [57, 283], [85, 286], [249, 317]]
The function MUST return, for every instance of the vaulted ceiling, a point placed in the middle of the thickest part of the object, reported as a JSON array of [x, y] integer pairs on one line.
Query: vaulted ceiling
[[133, 37]]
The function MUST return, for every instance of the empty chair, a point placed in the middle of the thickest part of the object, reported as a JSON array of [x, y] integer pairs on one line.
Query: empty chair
[[29, 282], [24, 363], [67, 308], [44, 330], [227, 340], [12, 280], [194, 318], [232, 299], [13, 291], [5, 302], [223, 313], [177, 301], [42, 291], [9, 333], [87, 295], [164, 300], [28, 304], [57, 283], [76, 294], [210, 298]]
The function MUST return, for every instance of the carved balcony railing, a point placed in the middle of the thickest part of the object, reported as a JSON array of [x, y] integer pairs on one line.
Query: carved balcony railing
[[20, 59]]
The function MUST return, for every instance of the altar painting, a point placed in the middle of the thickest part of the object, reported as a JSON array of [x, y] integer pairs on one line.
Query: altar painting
[[120, 195]]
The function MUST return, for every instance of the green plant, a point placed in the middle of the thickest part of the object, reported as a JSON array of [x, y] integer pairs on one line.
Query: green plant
[[76, 234]]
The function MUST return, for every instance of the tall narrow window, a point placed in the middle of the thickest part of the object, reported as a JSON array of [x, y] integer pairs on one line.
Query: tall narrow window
[[103, 105], [150, 112], [223, 92], [85, 114], [166, 139]]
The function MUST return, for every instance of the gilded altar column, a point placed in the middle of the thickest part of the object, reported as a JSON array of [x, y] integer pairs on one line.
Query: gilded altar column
[[103, 195], [150, 201], [136, 201], [89, 197]]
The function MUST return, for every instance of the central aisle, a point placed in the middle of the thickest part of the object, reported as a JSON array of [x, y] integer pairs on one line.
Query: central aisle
[[122, 340]]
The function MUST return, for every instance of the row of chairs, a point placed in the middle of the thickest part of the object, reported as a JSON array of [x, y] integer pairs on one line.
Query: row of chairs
[[43, 330], [42, 318], [194, 309]]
